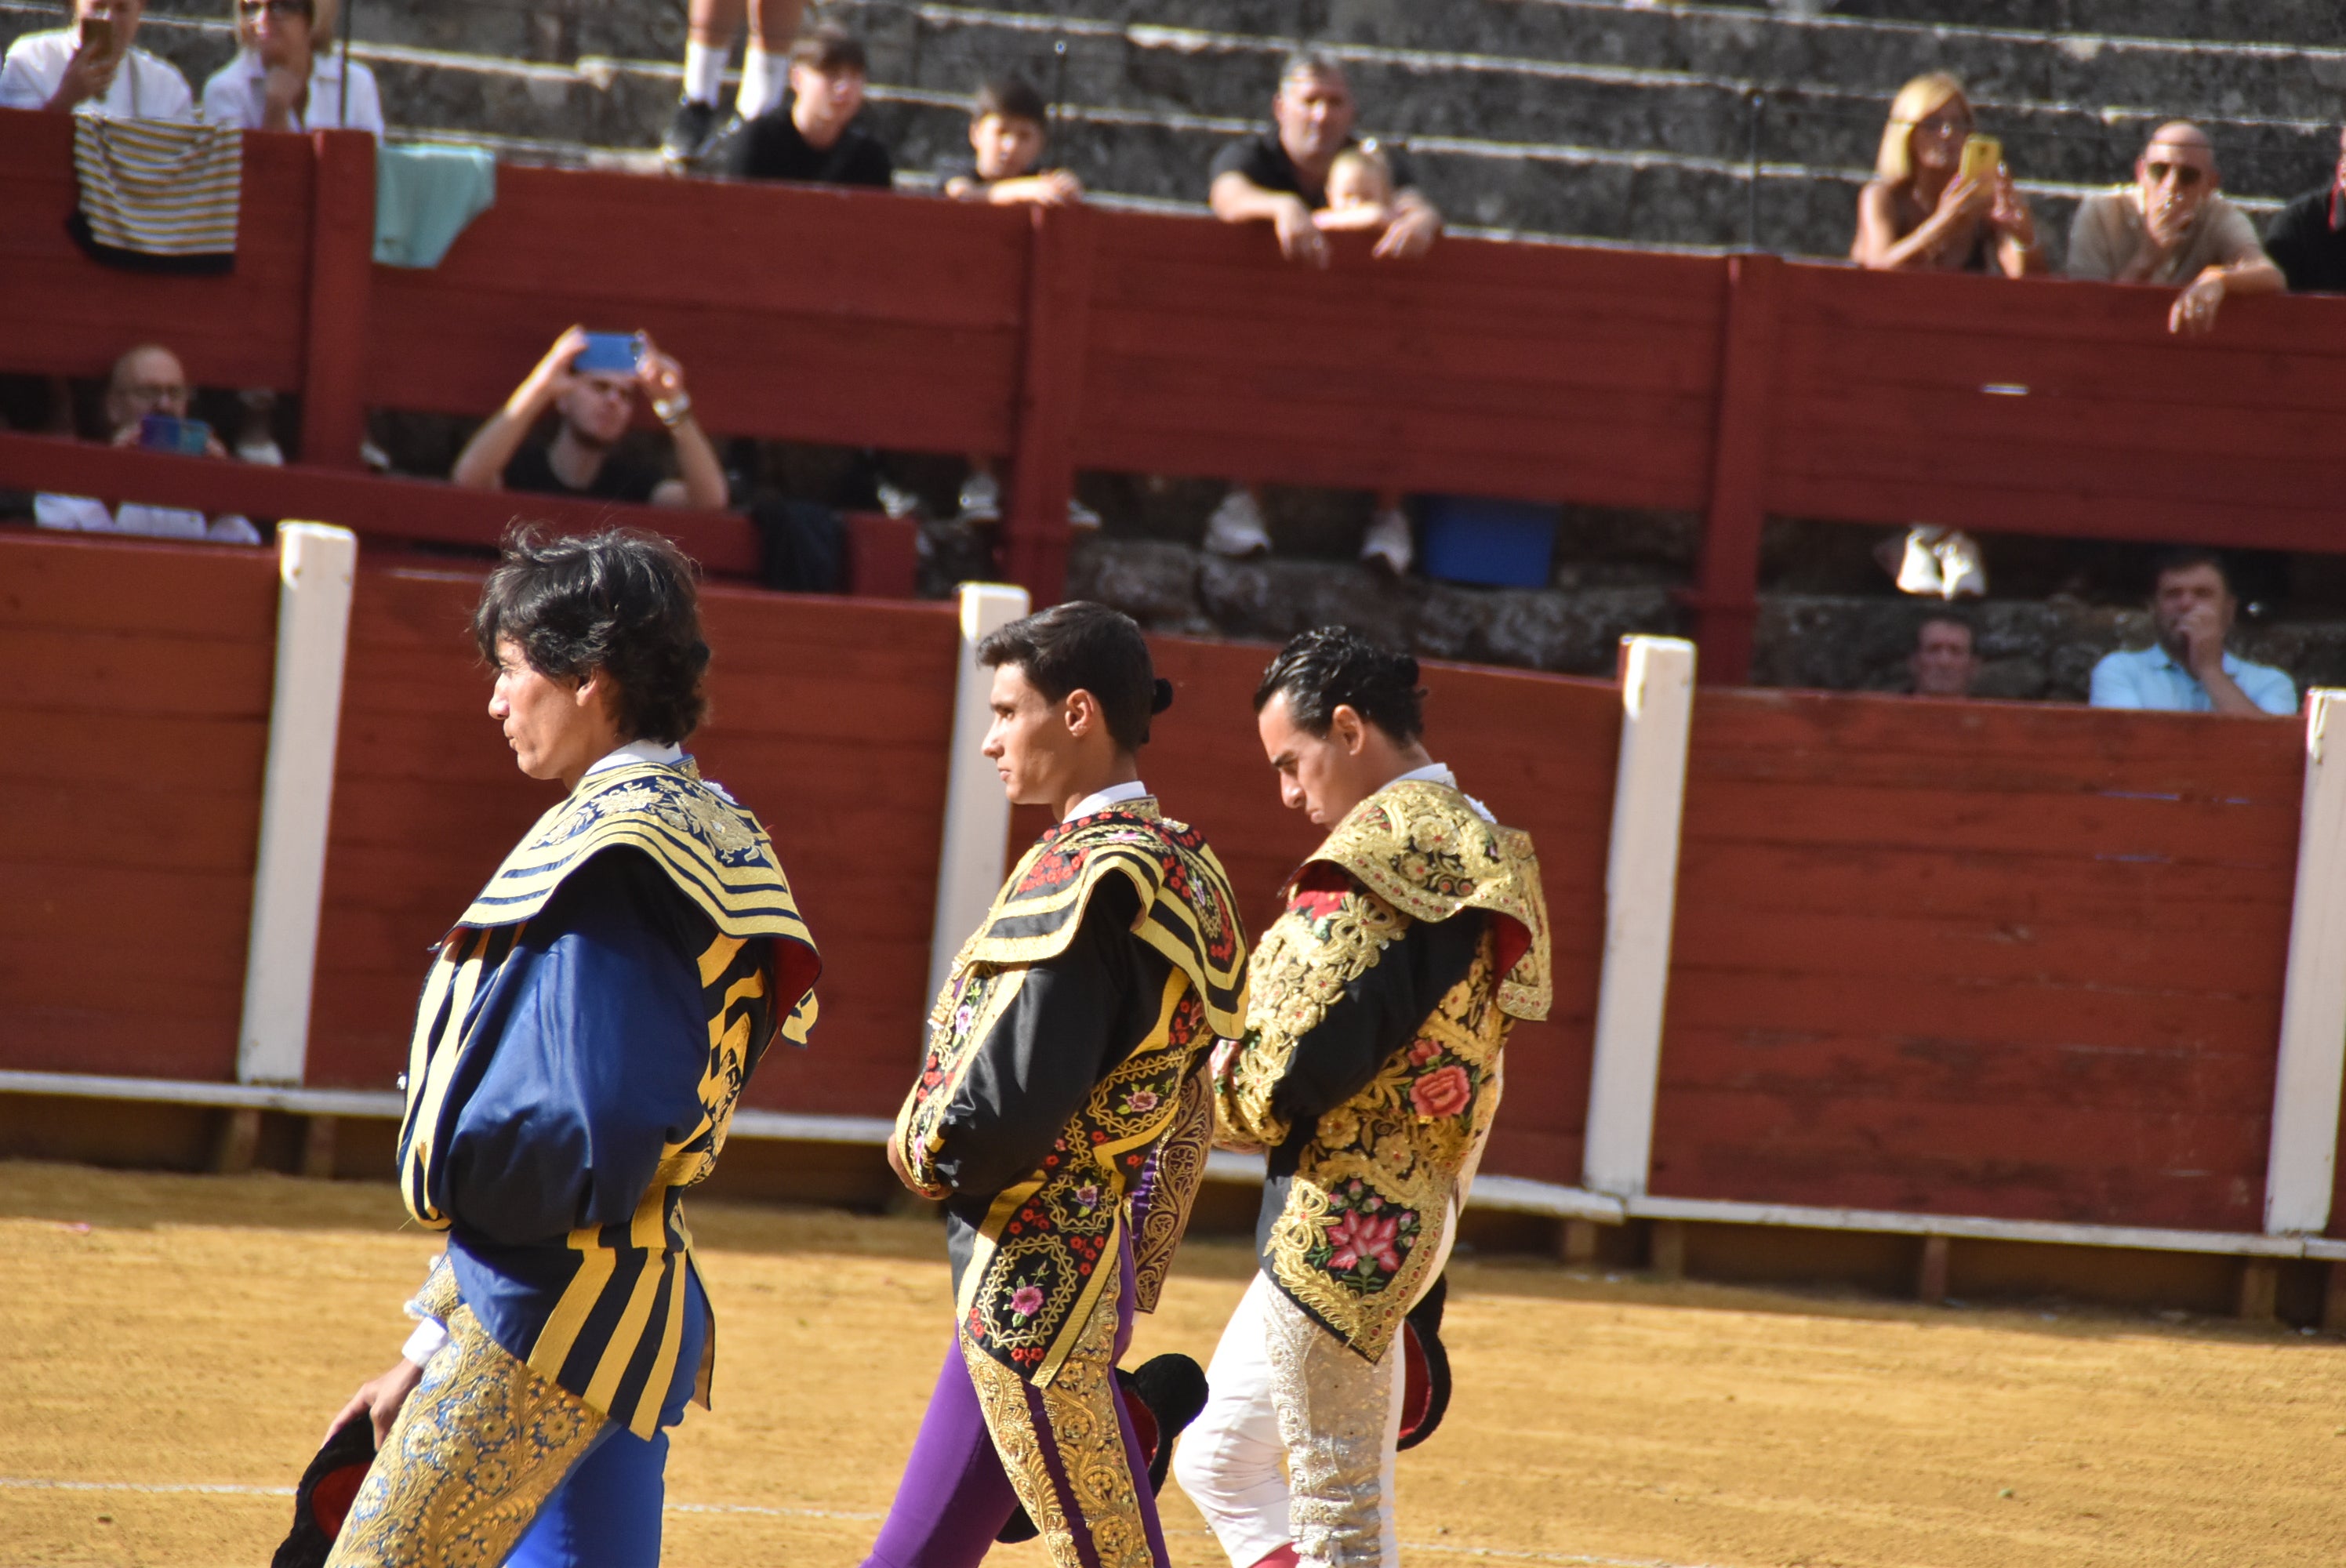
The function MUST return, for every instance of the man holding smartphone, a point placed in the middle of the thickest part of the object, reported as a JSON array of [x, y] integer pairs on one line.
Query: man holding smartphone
[[590, 382], [147, 405], [91, 68]]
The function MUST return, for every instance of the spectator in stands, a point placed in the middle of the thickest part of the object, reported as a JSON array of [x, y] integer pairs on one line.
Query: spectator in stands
[[1009, 126], [592, 411], [1917, 214], [286, 78], [2187, 671], [811, 134], [1946, 660], [2172, 227], [148, 379], [2307, 239], [709, 38], [91, 67], [1284, 179]]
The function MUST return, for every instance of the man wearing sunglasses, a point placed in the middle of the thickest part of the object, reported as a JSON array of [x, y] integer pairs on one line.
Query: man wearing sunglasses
[[286, 76], [2171, 226]]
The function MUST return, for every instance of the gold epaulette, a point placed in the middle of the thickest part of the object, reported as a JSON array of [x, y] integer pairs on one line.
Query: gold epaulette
[[1187, 911], [1423, 848], [709, 846]]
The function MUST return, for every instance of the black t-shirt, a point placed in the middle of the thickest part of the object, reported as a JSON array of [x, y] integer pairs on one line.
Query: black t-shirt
[[621, 478], [1265, 163], [2310, 253], [770, 147]]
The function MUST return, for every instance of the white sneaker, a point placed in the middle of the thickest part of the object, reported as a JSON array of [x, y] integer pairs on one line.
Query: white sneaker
[[1235, 527], [1962, 573], [1918, 573], [265, 452], [1385, 544], [896, 500], [980, 498], [1080, 515]]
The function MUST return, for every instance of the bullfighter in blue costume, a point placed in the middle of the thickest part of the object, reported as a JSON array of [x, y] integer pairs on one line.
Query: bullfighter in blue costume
[[582, 1041]]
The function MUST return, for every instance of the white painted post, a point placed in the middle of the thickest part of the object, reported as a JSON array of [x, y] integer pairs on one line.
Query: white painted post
[[1641, 880], [2303, 1156], [315, 561], [977, 814]]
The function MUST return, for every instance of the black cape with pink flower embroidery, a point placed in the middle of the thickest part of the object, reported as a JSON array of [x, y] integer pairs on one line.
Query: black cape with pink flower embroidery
[[1369, 1065], [1064, 1104]]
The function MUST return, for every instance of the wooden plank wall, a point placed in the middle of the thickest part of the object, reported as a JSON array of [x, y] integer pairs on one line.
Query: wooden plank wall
[[1978, 959], [827, 719], [138, 701], [1486, 369]]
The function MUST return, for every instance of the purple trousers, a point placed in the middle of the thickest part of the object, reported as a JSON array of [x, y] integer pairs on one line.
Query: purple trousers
[[957, 1494]]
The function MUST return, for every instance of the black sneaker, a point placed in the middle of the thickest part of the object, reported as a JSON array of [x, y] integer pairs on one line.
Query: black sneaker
[[689, 131]]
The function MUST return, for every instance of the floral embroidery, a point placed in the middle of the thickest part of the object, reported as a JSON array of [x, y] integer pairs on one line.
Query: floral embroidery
[[1140, 1102], [1026, 1301], [1444, 1091]]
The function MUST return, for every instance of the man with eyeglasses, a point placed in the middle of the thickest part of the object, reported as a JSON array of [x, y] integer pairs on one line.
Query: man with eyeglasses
[[148, 379], [2171, 226], [282, 79], [90, 68], [2307, 238]]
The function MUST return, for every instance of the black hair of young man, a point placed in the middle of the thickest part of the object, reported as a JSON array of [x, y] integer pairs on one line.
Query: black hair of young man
[[830, 47], [1329, 668], [1013, 99], [622, 600], [1083, 646]]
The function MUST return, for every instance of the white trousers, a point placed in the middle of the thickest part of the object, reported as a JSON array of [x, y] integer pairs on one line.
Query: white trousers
[[1282, 1388]]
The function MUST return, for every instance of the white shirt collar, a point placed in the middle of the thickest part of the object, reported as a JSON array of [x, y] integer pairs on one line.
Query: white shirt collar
[[1114, 794], [636, 751], [1439, 773]]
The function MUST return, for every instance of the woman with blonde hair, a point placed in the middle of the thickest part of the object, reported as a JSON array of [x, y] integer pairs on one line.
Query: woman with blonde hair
[[287, 75], [1917, 213]]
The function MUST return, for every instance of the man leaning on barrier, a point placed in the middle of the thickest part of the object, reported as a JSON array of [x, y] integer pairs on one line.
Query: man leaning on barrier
[[2173, 226]]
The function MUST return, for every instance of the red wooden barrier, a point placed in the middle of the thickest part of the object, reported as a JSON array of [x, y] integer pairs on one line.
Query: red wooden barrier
[[1978, 959], [1746, 388], [138, 693]]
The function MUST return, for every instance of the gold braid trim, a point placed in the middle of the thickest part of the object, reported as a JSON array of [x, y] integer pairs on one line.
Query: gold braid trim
[[1420, 847]]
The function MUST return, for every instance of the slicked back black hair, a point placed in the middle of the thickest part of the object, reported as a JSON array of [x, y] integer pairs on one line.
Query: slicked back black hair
[[621, 601], [1329, 668], [1083, 646]]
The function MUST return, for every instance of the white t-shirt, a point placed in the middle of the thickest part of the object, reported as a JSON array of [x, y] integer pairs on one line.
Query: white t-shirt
[[145, 88], [234, 95]]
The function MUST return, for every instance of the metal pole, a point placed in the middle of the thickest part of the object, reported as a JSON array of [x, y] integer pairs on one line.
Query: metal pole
[[1759, 101], [343, 115]]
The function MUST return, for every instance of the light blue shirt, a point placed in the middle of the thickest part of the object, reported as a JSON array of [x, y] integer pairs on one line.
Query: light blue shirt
[[2151, 678]]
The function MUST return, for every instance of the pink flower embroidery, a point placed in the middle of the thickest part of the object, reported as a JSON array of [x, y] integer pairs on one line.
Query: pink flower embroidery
[[1026, 1301], [1357, 1235], [1086, 1196], [1444, 1091], [1421, 1053], [1140, 1102]]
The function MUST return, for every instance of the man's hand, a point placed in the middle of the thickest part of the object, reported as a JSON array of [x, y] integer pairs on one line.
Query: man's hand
[[661, 377], [88, 74], [1300, 238], [2201, 633], [551, 377], [1410, 234], [380, 1400], [2194, 311]]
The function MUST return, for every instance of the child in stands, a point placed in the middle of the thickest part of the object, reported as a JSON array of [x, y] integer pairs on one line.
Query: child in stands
[[1360, 190], [1007, 128]]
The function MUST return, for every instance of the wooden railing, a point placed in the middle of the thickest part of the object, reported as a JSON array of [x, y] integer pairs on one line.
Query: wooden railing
[[1052, 341]]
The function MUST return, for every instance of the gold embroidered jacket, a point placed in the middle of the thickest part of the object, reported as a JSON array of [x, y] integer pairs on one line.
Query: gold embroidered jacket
[[1063, 1107], [582, 1040], [1370, 1064]]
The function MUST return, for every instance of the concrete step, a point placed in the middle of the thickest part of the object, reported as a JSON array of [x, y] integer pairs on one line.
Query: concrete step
[[2318, 22]]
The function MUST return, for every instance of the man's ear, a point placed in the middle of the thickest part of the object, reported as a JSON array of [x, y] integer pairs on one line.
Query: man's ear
[[1347, 728], [1079, 710]]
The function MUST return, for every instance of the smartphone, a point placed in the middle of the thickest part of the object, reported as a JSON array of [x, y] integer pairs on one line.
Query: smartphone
[[188, 437], [97, 34], [609, 354], [1982, 154]]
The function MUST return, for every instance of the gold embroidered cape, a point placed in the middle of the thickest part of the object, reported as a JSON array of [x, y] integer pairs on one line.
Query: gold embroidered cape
[[1356, 1236], [1049, 1243]]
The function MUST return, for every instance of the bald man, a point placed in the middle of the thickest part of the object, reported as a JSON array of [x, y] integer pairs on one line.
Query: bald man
[[146, 380], [2172, 227]]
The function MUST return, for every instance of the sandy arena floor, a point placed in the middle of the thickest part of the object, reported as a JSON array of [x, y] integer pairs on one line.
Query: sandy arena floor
[[171, 1346]]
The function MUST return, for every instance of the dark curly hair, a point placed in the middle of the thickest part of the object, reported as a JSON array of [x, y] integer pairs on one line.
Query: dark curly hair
[[1329, 668], [621, 601], [1081, 645]]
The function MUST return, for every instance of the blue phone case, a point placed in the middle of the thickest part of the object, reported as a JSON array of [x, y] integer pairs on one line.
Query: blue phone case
[[609, 354], [162, 433]]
